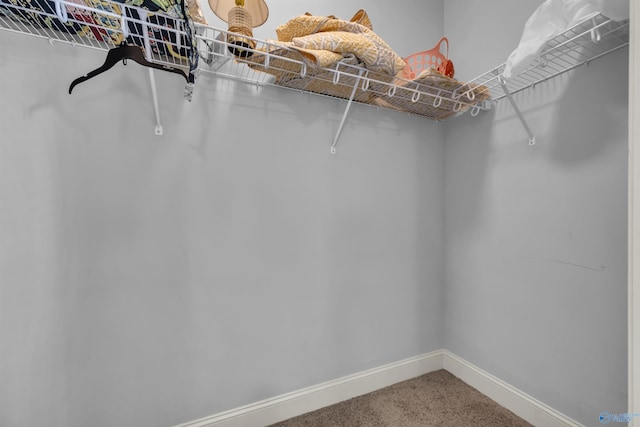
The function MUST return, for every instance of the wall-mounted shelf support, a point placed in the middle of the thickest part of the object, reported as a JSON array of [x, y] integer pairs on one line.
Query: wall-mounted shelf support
[[152, 77], [503, 84], [156, 109], [346, 110]]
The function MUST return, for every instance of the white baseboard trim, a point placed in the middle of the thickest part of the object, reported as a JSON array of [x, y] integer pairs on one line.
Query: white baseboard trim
[[308, 399], [521, 404]]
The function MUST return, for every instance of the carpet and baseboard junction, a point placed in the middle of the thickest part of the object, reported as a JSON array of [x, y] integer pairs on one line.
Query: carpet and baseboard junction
[[433, 389]]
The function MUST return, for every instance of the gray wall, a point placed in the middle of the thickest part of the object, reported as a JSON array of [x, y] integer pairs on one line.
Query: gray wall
[[536, 237], [153, 280]]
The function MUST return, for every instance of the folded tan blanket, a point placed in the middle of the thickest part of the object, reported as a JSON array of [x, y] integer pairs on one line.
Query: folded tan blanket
[[341, 36], [323, 41]]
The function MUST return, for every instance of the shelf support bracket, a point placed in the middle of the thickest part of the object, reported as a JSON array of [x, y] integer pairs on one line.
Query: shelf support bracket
[[346, 111], [152, 77], [503, 84], [154, 93]]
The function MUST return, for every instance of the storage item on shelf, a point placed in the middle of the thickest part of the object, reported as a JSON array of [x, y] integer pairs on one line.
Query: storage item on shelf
[[310, 33], [432, 58], [550, 19]]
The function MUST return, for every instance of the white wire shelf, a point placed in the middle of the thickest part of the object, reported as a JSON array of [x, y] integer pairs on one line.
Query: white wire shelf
[[435, 97], [587, 41], [103, 24], [592, 38], [169, 40], [102, 27]]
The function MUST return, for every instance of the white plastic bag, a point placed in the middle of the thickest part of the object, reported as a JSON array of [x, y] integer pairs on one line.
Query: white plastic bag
[[552, 18]]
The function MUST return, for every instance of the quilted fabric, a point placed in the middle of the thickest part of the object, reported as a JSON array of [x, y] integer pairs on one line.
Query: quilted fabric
[[362, 18], [340, 42], [386, 59], [303, 26], [311, 24], [285, 59]]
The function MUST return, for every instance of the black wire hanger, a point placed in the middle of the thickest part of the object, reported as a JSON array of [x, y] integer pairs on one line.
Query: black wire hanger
[[122, 53]]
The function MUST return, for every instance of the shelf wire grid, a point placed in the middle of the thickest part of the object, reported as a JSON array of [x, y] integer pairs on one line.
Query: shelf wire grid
[[274, 64], [100, 25], [588, 40], [104, 24]]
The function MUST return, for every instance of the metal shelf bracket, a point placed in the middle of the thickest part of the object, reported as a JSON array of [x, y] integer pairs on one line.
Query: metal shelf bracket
[[503, 84], [154, 93], [346, 110]]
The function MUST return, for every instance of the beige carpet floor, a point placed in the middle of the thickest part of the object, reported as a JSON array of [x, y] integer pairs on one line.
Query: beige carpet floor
[[435, 399]]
